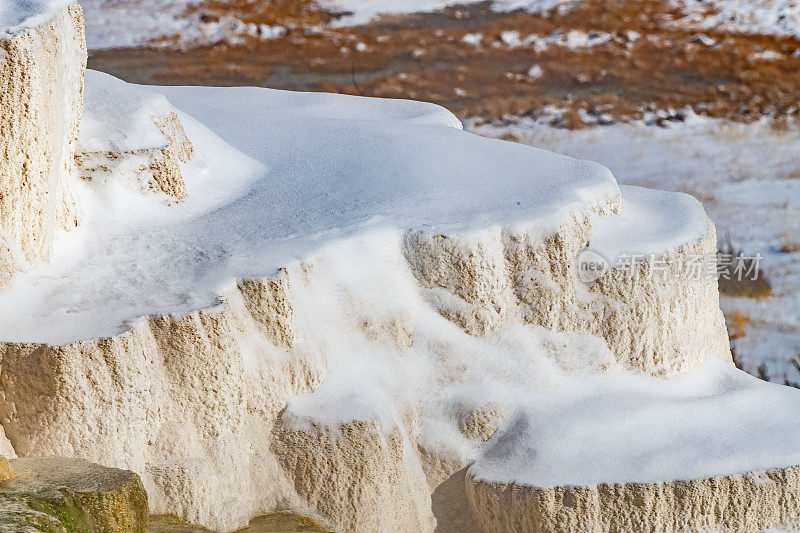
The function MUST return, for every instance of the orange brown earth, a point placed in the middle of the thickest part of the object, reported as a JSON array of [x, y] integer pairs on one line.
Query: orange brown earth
[[599, 62]]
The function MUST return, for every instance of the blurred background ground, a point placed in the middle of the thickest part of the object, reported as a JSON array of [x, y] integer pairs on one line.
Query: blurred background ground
[[699, 96]]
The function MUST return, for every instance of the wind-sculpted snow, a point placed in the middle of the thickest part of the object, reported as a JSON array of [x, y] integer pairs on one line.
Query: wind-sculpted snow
[[357, 305], [312, 175]]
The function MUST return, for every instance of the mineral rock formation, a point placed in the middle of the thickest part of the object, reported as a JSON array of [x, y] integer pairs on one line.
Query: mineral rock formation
[[325, 462], [749, 502], [41, 86], [132, 135], [71, 495], [662, 321], [364, 315]]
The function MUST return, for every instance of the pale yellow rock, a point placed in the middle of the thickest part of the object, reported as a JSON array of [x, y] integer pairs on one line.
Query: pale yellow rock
[[6, 472], [327, 462], [660, 324], [41, 87], [186, 401], [269, 303], [731, 504], [155, 169], [480, 423]]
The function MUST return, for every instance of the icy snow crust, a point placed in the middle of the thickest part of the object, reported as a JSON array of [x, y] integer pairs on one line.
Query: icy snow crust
[[779, 17], [309, 173]]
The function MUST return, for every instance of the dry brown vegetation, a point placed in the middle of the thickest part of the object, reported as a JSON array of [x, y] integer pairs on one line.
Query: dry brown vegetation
[[423, 57], [790, 244], [740, 275], [737, 324]]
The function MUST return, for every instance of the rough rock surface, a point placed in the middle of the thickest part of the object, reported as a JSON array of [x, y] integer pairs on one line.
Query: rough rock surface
[[154, 169], [358, 384], [71, 496], [133, 135], [741, 503], [326, 462], [182, 400], [41, 86], [662, 323]]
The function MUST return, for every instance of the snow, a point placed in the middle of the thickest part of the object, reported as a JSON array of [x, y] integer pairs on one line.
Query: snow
[[125, 23], [362, 11], [332, 183], [314, 166], [473, 39], [781, 17], [19, 14], [535, 72], [746, 177], [118, 116], [644, 430], [120, 24], [651, 222]]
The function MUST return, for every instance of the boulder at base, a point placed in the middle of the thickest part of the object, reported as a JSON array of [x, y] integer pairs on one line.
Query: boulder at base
[[71, 495]]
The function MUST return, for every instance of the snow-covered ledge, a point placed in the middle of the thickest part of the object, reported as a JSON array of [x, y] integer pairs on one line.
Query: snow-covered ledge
[[42, 64], [367, 316]]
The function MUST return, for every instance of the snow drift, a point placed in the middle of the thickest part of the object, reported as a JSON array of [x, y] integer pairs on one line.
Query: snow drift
[[363, 314]]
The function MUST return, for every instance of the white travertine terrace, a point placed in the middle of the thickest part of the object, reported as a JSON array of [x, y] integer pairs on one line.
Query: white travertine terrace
[[365, 315]]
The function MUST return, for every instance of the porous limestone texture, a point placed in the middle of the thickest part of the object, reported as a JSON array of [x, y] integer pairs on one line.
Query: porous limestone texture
[[740, 503], [186, 401], [71, 496], [41, 86], [327, 462], [156, 169], [657, 321], [360, 383], [197, 404], [201, 404]]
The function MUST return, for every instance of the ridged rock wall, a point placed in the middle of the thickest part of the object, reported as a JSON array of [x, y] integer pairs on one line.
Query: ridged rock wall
[[41, 85], [197, 403], [659, 322], [741, 503]]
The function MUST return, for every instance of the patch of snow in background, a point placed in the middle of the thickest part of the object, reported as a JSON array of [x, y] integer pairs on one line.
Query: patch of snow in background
[[131, 23], [134, 23], [747, 16], [363, 11]]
